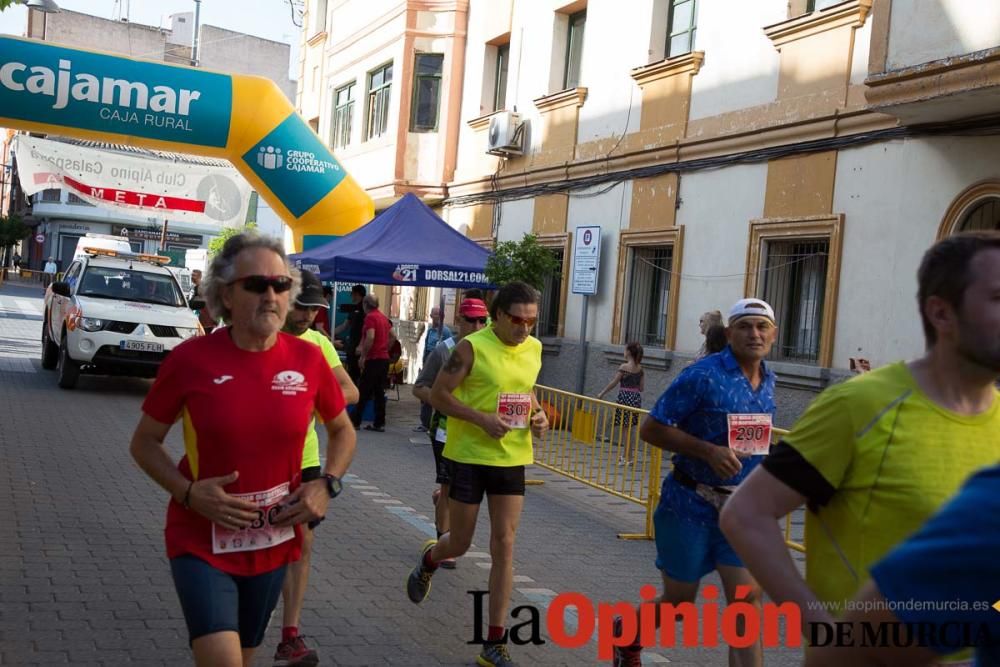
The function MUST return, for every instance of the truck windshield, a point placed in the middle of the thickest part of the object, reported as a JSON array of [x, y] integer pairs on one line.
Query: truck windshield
[[131, 285]]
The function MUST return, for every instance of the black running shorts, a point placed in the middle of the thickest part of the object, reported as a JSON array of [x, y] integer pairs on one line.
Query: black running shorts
[[469, 481]]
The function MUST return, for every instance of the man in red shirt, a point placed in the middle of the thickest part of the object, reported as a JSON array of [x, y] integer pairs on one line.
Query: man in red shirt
[[246, 397], [373, 356]]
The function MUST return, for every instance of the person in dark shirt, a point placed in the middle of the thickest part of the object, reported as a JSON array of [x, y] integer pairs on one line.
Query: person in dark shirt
[[353, 325]]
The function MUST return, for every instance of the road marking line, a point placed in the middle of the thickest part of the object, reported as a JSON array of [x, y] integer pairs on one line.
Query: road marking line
[[28, 307], [542, 597]]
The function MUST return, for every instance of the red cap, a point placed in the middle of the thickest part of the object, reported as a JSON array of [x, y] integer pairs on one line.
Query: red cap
[[473, 308]]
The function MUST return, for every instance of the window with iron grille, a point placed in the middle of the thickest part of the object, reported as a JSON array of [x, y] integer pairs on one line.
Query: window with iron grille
[[343, 112], [548, 309], [648, 294], [73, 199], [379, 90], [681, 27], [983, 216], [51, 195], [794, 283], [500, 77], [426, 92], [574, 49]]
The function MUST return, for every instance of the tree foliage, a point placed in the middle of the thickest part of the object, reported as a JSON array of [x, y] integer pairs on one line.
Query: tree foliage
[[526, 260], [12, 231], [215, 245]]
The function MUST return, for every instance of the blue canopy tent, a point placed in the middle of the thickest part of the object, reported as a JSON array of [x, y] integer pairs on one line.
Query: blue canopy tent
[[406, 244]]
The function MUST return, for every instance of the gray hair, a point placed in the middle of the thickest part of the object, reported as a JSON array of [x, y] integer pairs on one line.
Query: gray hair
[[370, 302], [222, 270]]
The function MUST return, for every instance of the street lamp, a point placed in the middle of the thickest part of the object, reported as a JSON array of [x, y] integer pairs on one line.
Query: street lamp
[[47, 6]]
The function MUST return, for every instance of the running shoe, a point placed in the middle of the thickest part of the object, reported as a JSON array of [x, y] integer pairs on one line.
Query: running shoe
[[295, 653], [495, 655], [625, 656], [418, 584]]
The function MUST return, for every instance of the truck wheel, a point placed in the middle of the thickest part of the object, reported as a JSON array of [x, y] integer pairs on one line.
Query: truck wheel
[[69, 370], [50, 351]]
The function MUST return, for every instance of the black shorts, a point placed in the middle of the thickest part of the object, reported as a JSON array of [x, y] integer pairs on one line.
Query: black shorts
[[469, 481], [309, 474], [441, 464], [214, 601]]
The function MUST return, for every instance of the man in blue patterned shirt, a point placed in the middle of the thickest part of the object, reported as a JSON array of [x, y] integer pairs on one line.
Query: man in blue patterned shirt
[[716, 418]]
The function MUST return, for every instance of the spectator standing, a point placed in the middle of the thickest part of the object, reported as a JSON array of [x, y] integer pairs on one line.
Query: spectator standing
[[436, 333], [630, 379], [49, 271], [708, 320], [353, 325], [373, 358]]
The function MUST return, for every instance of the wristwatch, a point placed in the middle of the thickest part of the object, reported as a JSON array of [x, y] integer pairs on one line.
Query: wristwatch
[[333, 485]]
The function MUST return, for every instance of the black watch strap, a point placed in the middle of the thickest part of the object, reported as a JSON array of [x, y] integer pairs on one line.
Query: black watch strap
[[333, 485]]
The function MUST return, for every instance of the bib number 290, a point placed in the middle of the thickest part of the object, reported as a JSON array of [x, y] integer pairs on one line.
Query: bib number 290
[[750, 434]]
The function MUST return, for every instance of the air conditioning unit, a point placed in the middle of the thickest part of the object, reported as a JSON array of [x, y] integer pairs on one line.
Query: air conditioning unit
[[506, 134]]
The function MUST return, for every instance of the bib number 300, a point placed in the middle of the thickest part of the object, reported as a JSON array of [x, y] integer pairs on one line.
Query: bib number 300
[[514, 410], [750, 434], [260, 534]]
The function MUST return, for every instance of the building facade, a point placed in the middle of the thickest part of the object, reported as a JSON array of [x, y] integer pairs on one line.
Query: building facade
[[381, 84], [726, 149], [60, 217]]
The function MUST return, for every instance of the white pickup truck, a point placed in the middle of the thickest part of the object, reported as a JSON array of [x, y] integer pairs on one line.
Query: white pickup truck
[[114, 313]]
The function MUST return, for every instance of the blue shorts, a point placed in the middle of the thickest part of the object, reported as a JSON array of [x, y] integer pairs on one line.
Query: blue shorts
[[213, 601], [688, 549]]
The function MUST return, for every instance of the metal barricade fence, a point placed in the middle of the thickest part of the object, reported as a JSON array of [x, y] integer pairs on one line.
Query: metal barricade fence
[[597, 442], [776, 434]]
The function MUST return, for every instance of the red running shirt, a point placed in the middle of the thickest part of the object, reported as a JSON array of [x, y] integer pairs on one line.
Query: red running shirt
[[245, 411]]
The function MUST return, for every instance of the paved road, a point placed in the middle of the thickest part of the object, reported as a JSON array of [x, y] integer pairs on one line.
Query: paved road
[[84, 579]]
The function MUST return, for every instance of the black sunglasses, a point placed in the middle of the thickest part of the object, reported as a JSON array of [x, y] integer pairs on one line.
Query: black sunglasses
[[475, 320], [259, 284]]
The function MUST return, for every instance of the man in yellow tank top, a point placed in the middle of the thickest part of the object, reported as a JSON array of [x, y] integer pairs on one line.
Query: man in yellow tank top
[[875, 457], [487, 392]]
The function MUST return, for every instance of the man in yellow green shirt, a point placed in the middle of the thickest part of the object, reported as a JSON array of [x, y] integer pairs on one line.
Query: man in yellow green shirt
[[487, 391], [293, 651], [873, 458]]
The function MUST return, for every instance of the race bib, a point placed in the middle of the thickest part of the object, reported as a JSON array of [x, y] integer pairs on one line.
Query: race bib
[[514, 410], [260, 534], [750, 434]]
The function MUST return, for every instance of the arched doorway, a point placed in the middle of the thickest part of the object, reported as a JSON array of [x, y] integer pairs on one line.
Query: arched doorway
[[976, 208], [984, 214]]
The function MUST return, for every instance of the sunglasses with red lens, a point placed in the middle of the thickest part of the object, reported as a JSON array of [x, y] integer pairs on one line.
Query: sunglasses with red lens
[[259, 284], [521, 321], [475, 320]]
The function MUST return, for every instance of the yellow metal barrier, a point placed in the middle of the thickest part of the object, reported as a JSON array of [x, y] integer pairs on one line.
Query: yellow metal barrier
[[776, 434], [597, 443]]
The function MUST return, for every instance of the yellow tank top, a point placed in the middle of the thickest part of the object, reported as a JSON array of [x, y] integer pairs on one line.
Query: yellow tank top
[[497, 369]]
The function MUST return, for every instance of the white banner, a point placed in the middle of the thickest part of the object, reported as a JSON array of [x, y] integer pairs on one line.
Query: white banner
[[173, 190]]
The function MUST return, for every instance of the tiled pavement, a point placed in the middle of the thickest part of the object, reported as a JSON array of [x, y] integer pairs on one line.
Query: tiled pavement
[[84, 580]]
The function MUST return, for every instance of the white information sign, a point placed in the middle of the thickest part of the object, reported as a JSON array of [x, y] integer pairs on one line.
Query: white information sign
[[586, 260]]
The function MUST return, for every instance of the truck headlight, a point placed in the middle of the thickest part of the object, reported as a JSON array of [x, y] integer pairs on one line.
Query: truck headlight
[[186, 333], [90, 323]]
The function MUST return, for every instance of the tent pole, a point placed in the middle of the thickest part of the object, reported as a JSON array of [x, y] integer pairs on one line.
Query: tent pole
[[441, 310]]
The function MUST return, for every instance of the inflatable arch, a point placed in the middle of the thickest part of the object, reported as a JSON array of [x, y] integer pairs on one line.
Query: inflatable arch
[[244, 119]]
